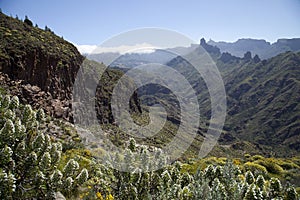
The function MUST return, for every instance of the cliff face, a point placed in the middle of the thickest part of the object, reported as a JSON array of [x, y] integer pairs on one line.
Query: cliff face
[[40, 68], [38, 57]]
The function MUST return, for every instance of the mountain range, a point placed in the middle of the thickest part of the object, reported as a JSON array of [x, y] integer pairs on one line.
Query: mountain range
[[262, 87], [262, 98], [262, 48]]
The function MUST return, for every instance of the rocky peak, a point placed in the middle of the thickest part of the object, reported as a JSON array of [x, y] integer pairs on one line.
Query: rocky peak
[[256, 58], [213, 50], [247, 56]]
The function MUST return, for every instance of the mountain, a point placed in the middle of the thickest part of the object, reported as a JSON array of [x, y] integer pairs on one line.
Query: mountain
[[43, 156], [262, 95], [40, 68], [262, 99], [38, 57], [263, 105], [262, 48]]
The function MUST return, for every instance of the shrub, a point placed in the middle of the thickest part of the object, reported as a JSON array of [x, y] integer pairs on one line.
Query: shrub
[[29, 158], [271, 165], [257, 157], [275, 188], [291, 194], [254, 167]]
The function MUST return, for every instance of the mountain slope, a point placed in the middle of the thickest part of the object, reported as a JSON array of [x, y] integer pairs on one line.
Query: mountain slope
[[262, 101], [263, 104], [40, 68], [38, 57]]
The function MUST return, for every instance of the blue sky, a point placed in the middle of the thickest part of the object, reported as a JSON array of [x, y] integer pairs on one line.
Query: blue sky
[[92, 22]]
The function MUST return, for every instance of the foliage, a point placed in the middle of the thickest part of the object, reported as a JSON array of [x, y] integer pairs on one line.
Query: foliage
[[215, 181], [30, 158]]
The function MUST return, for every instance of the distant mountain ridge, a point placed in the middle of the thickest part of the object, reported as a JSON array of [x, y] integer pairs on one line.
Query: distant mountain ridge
[[262, 48]]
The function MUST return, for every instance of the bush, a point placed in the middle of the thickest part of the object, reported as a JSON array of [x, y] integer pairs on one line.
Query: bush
[[257, 157], [254, 167], [29, 158], [271, 166]]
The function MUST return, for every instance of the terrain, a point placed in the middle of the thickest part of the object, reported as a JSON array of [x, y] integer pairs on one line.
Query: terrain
[[41, 68], [45, 156], [262, 99]]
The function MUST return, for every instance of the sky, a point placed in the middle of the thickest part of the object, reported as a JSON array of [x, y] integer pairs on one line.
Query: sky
[[92, 22]]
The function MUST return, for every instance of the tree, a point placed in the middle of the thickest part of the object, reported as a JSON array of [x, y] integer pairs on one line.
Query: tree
[[28, 21], [48, 29]]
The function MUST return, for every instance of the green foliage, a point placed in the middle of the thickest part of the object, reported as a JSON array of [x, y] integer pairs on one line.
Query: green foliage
[[254, 167], [291, 194], [30, 158], [25, 145], [275, 188], [249, 178], [174, 181], [271, 165]]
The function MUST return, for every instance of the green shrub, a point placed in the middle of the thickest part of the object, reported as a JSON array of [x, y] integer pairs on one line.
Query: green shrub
[[271, 166], [257, 157], [254, 167], [291, 194], [288, 165], [29, 158]]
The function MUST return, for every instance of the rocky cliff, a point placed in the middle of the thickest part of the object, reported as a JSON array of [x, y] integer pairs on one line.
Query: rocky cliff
[[40, 67], [38, 57]]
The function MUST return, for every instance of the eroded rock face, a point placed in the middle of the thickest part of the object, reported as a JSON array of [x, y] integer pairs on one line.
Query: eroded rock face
[[209, 48], [38, 57], [40, 68], [45, 71], [37, 98]]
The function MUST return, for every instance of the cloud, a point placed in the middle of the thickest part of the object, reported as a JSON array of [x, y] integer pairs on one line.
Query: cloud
[[86, 49], [138, 48]]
